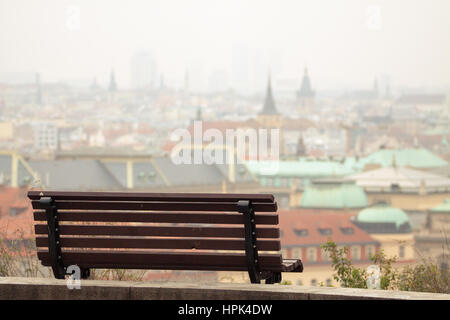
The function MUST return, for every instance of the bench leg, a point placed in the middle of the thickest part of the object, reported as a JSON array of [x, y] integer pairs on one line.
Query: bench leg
[[85, 273], [58, 272], [275, 278]]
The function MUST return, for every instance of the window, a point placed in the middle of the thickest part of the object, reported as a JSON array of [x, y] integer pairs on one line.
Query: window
[[328, 282], [152, 175], [325, 255], [296, 253], [301, 232], [356, 253], [141, 175], [401, 252], [313, 282], [347, 230], [325, 231], [312, 254], [299, 282], [370, 251]]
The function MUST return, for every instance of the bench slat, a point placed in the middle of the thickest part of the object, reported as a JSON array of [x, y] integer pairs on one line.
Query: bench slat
[[145, 196], [162, 217], [161, 260], [214, 232], [172, 206], [292, 265], [143, 243]]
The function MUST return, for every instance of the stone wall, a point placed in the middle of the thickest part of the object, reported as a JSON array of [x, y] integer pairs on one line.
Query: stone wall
[[40, 288]]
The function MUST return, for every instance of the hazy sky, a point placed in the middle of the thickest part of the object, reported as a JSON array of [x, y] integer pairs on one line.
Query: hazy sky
[[343, 42]]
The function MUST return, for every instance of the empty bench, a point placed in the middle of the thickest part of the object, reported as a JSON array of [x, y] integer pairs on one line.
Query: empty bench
[[165, 231]]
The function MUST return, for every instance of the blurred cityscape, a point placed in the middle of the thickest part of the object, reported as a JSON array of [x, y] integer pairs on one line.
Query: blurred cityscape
[[367, 166]]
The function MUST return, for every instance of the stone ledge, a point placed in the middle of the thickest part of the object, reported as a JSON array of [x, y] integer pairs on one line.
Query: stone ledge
[[45, 289]]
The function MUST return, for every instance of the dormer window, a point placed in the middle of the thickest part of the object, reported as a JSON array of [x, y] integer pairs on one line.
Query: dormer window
[[152, 175], [141, 175], [325, 231], [347, 230], [301, 232]]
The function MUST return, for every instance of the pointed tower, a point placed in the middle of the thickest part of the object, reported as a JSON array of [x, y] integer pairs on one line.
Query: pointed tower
[[306, 95], [269, 103], [269, 116]]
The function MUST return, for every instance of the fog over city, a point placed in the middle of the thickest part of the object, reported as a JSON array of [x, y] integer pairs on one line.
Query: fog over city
[[329, 118], [346, 43]]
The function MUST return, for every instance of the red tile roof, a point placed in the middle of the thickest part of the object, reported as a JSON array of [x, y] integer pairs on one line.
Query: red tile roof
[[20, 225], [298, 219]]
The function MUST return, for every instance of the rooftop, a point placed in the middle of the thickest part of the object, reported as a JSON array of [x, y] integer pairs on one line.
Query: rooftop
[[382, 218], [342, 195], [413, 157], [304, 167], [443, 207], [338, 225], [405, 179]]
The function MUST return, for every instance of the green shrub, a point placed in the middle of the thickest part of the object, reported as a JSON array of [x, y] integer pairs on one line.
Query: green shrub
[[423, 277]]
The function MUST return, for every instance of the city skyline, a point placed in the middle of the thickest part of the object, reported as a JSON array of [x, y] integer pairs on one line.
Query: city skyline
[[78, 40]]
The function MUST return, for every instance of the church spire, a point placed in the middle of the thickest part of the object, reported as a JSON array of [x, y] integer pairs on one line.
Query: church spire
[[269, 102], [305, 88]]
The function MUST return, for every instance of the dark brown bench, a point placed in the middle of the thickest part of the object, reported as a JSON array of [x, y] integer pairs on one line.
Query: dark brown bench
[[166, 231]]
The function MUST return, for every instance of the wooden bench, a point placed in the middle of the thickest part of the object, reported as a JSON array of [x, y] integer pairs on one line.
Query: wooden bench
[[166, 231]]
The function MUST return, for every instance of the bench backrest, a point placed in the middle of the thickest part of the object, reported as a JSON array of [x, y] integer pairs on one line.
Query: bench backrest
[[156, 230]]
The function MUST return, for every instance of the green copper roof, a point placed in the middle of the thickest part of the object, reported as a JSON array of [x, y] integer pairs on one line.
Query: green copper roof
[[415, 158], [383, 213], [333, 196], [301, 168], [443, 207]]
